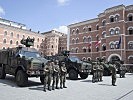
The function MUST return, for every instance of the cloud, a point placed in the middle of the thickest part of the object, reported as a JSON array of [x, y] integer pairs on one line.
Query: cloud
[[2, 12], [62, 2], [62, 29]]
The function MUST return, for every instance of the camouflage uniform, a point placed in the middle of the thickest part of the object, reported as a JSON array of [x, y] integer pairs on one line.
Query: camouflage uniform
[[98, 72], [101, 71], [63, 72], [94, 70], [113, 70], [122, 71], [56, 71], [48, 76]]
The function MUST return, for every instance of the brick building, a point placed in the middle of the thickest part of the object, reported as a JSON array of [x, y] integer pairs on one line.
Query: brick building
[[55, 42], [48, 43], [109, 36]]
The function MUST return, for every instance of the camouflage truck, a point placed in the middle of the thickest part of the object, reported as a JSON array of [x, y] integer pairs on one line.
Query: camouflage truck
[[22, 62], [74, 65]]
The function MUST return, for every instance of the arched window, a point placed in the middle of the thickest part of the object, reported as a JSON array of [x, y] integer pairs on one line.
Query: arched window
[[89, 39], [5, 33], [117, 31], [97, 49], [104, 35], [89, 29], [84, 29], [103, 47], [88, 59], [4, 41], [130, 17], [76, 50], [130, 58], [117, 17], [72, 50], [130, 31], [3, 48], [97, 27], [84, 39], [77, 31], [112, 45], [130, 45], [77, 40], [117, 44], [73, 31], [111, 19], [73, 41], [89, 49], [11, 42], [84, 59], [112, 32], [11, 34], [84, 50], [104, 22], [38, 40], [97, 37], [16, 42]]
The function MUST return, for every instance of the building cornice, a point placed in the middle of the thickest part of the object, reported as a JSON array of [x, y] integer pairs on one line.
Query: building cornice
[[83, 23]]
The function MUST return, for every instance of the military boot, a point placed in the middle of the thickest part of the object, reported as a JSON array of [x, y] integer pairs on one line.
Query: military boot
[[53, 87], [49, 88], [64, 85]]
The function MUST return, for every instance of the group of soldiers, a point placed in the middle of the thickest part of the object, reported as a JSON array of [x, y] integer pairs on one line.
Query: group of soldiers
[[98, 70], [53, 73]]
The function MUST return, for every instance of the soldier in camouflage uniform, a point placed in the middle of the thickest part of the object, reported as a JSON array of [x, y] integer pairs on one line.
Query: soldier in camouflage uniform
[[122, 70], [94, 70], [98, 71], [101, 69], [48, 75], [56, 71], [63, 72], [112, 67]]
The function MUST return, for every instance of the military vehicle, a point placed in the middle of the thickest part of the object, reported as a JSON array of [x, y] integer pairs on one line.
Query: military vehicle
[[73, 64], [22, 62]]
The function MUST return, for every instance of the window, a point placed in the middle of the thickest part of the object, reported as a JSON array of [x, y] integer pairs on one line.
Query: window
[[111, 45], [77, 40], [104, 47], [97, 37], [11, 34], [130, 45], [5, 33], [89, 59], [97, 27], [17, 35], [111, 19], [84, 49], [76, 51], [77, 31], [89, 29], [97, 49], [38, 40], [104, 35], [89, 49], [16, 42], [73, 41], [84, 59], [72, 50], [11, 42], [3, 48], [52, 46], [4, 41], [89, 39], [117, 31], [73, 31], [130, 17], [112, 32], [117, 45], [84, 39], [84, 30], [103, 22], [130, 31], [117, 18]]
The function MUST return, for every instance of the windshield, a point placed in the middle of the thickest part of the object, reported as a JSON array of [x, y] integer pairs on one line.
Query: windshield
[[28, 54], [75, 59]]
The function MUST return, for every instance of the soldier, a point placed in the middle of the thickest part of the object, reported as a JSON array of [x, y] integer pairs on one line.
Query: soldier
[[56, 71], [98, 71], [101, 71], [63, 72], [48, 75], [122, 70], [112, 67], [94, 70]]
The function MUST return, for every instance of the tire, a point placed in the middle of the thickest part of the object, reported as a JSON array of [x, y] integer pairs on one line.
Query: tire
[[21, 78], [83, 75], [2, 72], [73, 75], [42, 79]]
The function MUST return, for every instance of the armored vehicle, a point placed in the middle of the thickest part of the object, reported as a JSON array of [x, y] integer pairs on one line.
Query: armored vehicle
[[22, 62], [74, 65]]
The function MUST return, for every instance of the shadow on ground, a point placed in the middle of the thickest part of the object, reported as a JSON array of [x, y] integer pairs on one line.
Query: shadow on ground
[[90, 81], [10, 81], [105, 84]]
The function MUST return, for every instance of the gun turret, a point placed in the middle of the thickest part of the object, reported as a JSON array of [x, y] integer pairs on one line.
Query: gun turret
[[27, 42]]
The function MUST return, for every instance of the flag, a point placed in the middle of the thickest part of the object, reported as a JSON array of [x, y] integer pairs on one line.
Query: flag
[[119, 43], [97, 43]]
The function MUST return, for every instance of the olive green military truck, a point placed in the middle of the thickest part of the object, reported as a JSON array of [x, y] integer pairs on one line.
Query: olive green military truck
[[22, 62], [73, 64]]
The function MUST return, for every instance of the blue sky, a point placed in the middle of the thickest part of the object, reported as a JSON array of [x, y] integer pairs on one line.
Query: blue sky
[[45, 15]]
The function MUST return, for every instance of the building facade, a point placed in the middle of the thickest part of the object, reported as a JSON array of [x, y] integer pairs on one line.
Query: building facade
[[109, 36], [55, 42]]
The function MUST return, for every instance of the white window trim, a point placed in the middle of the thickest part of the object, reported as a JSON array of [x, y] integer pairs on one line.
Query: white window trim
[[83, 58], [111, 29], [111, 16], [130, 42], [129, 14], [130, 27], [130, 56], [111, 42], [88, 58]]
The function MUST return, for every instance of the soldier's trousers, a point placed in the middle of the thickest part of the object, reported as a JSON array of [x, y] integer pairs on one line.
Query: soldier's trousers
[[55, 81], [101, 75], [47, 80], [62, 80], [94, 77], [113, 79]]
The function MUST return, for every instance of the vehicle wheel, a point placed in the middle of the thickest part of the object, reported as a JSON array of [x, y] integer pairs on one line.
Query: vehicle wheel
[[73, 75], [42, 79], [21, 78], [2, 72], [83, 75]]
